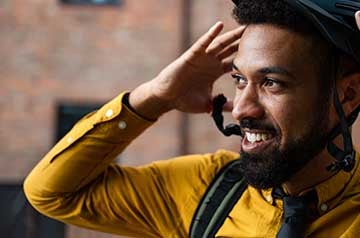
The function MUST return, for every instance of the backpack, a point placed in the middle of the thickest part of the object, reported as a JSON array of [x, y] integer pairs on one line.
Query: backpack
[[219, 199]]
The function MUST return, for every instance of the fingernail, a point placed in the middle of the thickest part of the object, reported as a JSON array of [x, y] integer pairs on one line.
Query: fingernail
[[217, 23]]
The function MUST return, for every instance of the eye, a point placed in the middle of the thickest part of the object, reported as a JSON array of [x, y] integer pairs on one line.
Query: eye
[[239, 80], [272, 83]]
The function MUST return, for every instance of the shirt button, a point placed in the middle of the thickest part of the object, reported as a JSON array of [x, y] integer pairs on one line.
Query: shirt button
[[324, 207], [122, 125], [269, 199], [109, 113]]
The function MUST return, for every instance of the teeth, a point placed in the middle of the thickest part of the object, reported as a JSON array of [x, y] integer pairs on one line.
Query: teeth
[[255, 137]]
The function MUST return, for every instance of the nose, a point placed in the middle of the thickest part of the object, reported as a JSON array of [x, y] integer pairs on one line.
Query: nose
[[247, 104]]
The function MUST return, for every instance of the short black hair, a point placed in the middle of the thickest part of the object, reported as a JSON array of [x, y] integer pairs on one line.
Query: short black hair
[[281, 14], [276, 12]]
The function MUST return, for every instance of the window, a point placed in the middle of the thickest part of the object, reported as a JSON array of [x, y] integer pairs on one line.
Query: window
[[69, 113], [19, 220], [17, 217]]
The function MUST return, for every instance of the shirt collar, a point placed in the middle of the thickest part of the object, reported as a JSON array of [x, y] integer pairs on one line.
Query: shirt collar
[[332, 190]]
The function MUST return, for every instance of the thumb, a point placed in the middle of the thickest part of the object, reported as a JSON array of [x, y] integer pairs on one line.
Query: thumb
[[357, 16]]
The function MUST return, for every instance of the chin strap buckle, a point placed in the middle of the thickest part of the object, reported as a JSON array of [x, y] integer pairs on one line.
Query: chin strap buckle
[[346, 164]]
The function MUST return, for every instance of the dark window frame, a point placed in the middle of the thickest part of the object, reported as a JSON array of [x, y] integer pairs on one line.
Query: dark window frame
[[19, 219]]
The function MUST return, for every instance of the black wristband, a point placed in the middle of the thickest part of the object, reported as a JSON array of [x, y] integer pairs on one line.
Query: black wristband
[[125, 101]]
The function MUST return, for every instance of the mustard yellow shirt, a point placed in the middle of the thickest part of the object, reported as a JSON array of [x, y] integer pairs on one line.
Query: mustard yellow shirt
[[77, 183]]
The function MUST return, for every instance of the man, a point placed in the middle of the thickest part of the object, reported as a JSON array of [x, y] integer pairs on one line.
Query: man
[[282, 70]]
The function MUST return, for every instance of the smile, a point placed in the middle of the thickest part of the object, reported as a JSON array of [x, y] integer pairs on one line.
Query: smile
[[257, 137], [257, 141]]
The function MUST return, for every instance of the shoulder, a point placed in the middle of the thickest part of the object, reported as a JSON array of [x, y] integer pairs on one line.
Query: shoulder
[[195, 166], [186, 178], [191, 174]]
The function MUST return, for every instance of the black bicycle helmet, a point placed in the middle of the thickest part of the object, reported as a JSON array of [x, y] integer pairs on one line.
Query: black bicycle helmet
[[335, 20]]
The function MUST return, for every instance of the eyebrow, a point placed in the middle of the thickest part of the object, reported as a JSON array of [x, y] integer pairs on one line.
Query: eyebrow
[[271, 70]]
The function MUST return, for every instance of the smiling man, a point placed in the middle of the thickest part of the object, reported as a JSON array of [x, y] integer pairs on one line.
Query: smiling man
[[281, 102], [293, 87]]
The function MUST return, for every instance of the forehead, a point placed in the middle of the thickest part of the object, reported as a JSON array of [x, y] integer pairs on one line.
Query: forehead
[[268, 45]]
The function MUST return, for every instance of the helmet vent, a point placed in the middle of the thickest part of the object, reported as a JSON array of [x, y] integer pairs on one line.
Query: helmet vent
[[347, 7]]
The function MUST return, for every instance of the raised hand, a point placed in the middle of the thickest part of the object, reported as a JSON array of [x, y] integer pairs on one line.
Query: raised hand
[[186, 84]]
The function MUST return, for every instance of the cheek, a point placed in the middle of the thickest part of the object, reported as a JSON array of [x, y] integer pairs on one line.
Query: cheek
[[292, 117]]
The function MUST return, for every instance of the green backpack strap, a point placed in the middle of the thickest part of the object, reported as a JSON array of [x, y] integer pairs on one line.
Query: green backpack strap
[[219, 199]]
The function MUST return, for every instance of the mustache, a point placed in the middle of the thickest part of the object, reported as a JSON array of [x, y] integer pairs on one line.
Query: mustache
[[257, 124]]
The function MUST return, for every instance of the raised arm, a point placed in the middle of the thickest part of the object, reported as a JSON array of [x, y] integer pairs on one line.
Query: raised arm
[[76, 182]]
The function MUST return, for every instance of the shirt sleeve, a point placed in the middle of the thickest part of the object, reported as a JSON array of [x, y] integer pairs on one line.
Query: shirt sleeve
[[77, 183], [67, 184]]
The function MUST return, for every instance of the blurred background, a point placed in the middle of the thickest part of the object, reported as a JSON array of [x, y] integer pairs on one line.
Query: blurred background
[[60, 59]]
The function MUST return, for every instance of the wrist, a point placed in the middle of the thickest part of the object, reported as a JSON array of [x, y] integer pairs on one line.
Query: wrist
[[146, 104]]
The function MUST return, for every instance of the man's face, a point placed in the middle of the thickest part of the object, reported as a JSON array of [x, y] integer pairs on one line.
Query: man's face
[[278, 104]]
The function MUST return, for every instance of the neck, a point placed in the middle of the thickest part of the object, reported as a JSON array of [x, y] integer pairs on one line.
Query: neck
[[312, 174]]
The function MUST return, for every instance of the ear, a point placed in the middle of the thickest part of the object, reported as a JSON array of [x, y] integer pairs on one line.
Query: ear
[[349, 92]]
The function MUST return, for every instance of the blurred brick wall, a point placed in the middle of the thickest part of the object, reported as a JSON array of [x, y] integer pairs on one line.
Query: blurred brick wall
[[51, 53]]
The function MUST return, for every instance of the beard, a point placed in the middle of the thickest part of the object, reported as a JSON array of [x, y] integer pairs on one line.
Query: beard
[[274, 166]]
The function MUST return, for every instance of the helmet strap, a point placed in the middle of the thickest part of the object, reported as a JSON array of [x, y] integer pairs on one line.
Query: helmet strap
[[231, 129], [344, 158]]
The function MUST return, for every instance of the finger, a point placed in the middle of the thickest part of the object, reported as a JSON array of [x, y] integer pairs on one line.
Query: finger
[[227, 64], [357, 16], [208, 37], [225, 40], [228, 51]]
